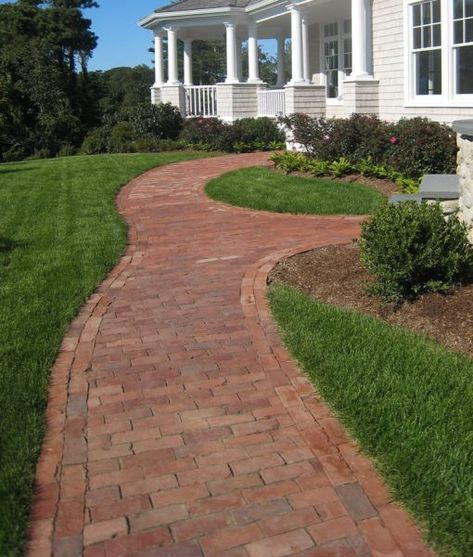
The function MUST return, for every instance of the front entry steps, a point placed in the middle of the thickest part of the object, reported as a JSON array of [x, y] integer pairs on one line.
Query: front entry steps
[[442, 188]]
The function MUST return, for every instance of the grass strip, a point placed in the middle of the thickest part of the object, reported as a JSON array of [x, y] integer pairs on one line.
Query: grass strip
[[406, 399], [60, 234], [264, 189]]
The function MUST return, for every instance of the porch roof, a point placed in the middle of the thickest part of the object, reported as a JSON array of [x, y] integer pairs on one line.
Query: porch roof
[[185, 5]]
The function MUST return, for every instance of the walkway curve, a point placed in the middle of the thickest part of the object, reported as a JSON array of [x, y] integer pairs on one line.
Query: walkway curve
[[177, 424]]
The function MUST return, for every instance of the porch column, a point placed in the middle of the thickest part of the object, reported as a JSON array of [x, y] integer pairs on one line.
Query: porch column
[[188, 62], [359, 33], [232, 76], [253, 69], [158, 61], [296, 46], [239, 69], [305, 51], [172, 56], [281, 81]]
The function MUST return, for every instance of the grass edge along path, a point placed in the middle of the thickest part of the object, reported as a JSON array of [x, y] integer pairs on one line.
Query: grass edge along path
[[407, 400], [262, 188], [60, 234]]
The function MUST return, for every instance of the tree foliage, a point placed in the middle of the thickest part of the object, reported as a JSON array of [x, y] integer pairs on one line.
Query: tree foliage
[[45, 102]]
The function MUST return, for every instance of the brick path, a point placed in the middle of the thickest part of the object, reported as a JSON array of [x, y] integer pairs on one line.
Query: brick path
[[177, 425]]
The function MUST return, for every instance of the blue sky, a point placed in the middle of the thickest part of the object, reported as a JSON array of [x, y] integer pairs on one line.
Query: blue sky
[[121, 41]]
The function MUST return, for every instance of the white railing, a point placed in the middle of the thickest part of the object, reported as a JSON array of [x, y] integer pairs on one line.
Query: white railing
[[271, 102], [201, 100]]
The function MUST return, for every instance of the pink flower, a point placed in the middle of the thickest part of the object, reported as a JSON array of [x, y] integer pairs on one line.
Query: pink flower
[[326, 137], [393, 140], [200, 121]]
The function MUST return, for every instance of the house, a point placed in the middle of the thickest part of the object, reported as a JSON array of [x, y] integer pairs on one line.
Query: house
[[392, 58]]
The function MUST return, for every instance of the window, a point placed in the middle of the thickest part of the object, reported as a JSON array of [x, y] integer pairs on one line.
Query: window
[[463, 46], [337, 54], [427, 48], [440, 51], [331, 59]]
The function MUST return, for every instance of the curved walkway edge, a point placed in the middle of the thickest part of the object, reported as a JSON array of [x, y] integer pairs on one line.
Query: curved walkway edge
[[178, 426]]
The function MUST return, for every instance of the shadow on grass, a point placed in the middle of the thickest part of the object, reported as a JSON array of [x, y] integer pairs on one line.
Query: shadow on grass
[[6, 170], [7, 245]]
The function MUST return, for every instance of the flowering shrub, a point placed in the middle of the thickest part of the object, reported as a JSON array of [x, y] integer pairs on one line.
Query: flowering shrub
[[419, 146], [411, 147]]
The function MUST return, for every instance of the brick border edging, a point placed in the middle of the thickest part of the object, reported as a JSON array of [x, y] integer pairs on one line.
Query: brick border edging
[[63, 453], [312, 415]]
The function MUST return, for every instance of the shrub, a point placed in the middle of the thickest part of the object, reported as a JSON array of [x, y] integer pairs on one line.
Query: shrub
[[412, 248], [264, 131], [419, 146], [411, 147], [67, 151], [161, 121], [243, 136], [152, 145], [95, 142], [209, 134]]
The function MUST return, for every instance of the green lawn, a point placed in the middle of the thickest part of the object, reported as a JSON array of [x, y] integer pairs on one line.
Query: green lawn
[[263, 188], [59, 235], [407, 400]]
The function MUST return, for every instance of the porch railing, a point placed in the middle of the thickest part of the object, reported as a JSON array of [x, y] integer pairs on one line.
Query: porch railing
[[201, 100], [271, 102]]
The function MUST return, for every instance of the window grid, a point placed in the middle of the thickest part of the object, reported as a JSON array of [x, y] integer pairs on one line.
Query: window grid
[[462, 22], [426, 25]]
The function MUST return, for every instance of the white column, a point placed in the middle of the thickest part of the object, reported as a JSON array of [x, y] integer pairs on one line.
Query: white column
[[296, 46], [158, 61], [253, 69], [359, 33], [232, 76], [172, 56], [239, 69], [305, 50], [281, 81], [188, 62]]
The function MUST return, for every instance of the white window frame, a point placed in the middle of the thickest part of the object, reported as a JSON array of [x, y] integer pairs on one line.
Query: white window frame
[[342, 75], [448, 98]]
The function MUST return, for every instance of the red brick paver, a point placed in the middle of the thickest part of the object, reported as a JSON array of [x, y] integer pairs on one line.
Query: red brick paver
[[177, 423]]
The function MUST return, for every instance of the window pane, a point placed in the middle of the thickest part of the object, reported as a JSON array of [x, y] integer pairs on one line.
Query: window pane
[[428, 73], [464, 59], [347, 26], [426, 13], [469, 8], [436, 11], [417, 38], [437, 36], [332, 84], [469, 31], [416, 14], [426, 32], [458, 32], [458, 9]]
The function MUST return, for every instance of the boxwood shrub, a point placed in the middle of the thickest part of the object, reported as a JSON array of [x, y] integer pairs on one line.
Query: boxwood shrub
[[412, 248]]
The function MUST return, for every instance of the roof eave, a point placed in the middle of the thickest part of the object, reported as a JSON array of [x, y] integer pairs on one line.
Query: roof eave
[[151, 20]]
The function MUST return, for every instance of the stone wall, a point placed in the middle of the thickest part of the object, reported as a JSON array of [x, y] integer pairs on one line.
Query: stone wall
[[464, 129]]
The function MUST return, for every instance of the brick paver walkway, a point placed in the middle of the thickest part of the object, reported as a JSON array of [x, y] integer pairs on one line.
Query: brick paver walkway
[[178, 426]]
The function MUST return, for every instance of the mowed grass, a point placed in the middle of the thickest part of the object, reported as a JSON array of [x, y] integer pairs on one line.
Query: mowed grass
[[264, 189], [407, 400], [60, 234]]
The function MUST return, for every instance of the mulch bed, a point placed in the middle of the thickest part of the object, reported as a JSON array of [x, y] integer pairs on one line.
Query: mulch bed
[[334, 275]]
